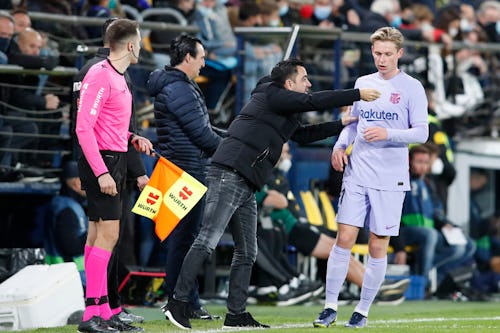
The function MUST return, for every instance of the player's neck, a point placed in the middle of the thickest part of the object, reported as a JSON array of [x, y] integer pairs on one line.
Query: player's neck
[[390, 75]]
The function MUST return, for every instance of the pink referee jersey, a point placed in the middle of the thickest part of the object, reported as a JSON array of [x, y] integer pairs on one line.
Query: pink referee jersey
[[104, 111]]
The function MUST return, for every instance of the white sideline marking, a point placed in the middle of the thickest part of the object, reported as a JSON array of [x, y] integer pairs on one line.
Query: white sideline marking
[[341, 323]]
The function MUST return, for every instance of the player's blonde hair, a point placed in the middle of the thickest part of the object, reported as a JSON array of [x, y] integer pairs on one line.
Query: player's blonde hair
[[388, 34]]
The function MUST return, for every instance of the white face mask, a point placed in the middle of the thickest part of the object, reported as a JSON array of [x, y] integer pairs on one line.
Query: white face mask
[[285, 165], [437, 167], [453, 32]]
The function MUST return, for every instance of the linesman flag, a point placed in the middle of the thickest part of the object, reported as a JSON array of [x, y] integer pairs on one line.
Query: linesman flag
[[169, 195]]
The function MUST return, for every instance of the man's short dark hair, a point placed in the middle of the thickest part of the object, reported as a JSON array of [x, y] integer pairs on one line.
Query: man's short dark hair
[[105, 28], [181, 46], [119, 31], [285, 70]]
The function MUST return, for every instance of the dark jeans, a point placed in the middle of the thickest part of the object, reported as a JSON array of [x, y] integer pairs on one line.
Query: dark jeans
[[178, 244], [229, 201]]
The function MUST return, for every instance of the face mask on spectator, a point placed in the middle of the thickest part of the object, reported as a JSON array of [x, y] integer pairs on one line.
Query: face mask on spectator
[[274, 23], [4, 44], [221, 2], [112, 4], [283, 10], [396, 21], [322, 12], [497, 26], [285, 165], [465, 25], [453, 32]]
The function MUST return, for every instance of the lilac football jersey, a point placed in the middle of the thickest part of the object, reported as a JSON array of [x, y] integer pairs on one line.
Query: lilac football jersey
[[402, 110]]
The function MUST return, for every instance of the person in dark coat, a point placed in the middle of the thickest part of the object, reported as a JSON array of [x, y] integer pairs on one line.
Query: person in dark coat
[[242, 164], [186, 138]]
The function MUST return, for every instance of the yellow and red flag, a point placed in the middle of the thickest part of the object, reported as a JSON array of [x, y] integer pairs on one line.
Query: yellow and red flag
[[169, 195]]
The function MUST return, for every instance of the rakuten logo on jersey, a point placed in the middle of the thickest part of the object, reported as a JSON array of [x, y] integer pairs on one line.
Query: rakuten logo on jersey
[[370, 115], [98, 98]]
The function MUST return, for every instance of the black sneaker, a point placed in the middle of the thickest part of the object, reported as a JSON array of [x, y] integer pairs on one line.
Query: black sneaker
[[178, 313], [202, 313], [119, 325], [95, 325], [244, 319]]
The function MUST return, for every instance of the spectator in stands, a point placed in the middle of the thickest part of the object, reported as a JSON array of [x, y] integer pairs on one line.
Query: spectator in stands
[[335, 13], [103, 165], [21, 93], [488, 16], [58, 7], [260, 54], [289, 15], [219, 40], [7, 25], [66, 227], [100, 9], [22, 20], [160, 40], [185, 137], [423, 219], [241, 164], [136, 179]]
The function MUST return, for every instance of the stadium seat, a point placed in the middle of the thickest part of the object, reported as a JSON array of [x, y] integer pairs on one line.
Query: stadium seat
[[328, 211], [311, 207]]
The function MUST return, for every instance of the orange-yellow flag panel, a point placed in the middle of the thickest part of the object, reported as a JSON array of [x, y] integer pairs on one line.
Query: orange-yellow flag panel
[[169, 195]]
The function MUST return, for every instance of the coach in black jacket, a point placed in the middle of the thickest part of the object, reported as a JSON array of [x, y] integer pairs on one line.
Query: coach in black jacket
[[241, 164]]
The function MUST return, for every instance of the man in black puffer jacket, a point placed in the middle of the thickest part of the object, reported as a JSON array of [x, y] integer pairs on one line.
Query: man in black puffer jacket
[[241, 164], [186, 138]]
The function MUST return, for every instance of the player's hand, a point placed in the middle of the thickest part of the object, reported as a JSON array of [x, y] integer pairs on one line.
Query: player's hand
[[369, 94], [142, 181], [372, 134], [107, 184], [339, 159], [142, 144]]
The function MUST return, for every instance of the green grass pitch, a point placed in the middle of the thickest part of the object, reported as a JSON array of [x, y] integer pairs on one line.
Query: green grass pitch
[[411, 316]]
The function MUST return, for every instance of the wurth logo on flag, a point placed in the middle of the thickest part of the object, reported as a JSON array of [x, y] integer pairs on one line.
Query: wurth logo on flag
[[169, 195]]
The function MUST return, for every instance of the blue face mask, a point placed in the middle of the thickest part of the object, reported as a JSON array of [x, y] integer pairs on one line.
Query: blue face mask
[[284, 10], [497, 26], [112, 4], [4, 44], [322, 12], [396, 21], [221, 2]]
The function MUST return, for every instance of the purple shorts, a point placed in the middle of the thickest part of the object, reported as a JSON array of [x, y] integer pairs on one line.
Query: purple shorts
[[381, 210]]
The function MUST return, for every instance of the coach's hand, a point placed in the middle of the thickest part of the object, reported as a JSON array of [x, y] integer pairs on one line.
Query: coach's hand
[[369, 94], [107, 184]]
